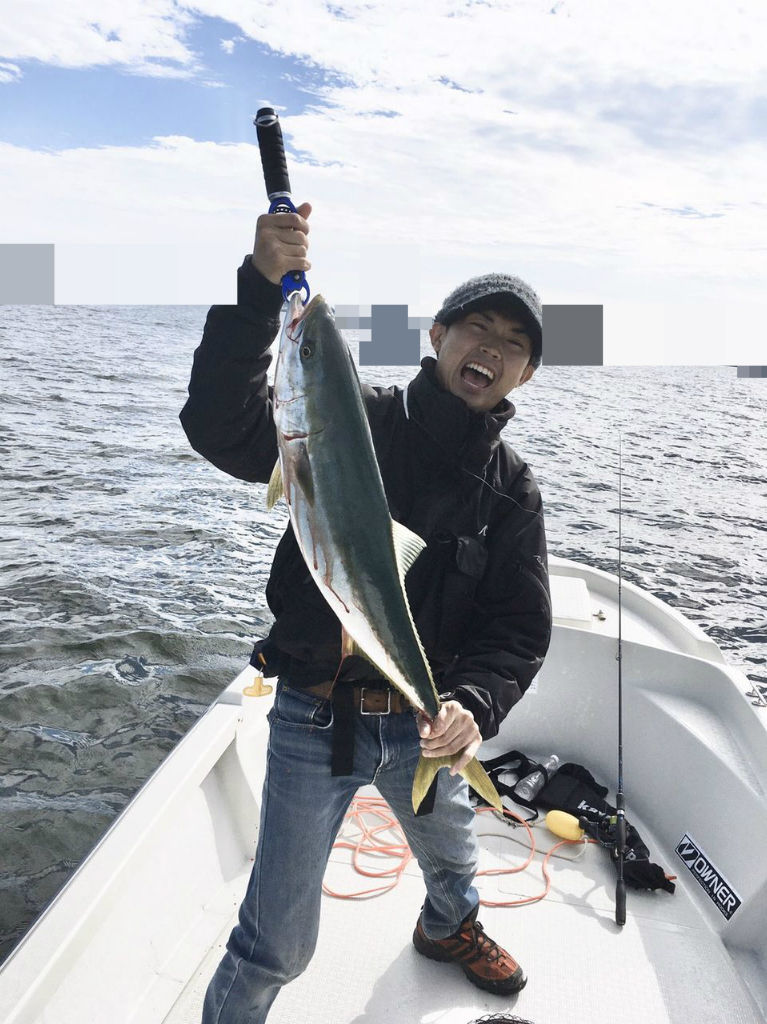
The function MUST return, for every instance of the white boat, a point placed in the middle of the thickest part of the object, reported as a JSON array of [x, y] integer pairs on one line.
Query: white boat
[[137, 932]]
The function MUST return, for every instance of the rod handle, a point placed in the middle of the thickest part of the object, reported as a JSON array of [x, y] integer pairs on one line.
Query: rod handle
[[620, 902]]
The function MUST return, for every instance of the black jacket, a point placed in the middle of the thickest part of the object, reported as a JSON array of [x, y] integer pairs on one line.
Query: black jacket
[[479, 592]]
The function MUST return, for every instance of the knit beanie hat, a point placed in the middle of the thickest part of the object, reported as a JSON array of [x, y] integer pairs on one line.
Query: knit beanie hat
[[515, 294]]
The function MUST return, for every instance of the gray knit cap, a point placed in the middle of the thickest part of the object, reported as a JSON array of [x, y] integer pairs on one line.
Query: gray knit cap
[[516, 294]]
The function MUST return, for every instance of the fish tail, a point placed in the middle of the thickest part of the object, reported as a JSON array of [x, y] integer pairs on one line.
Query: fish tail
[[474, 773]]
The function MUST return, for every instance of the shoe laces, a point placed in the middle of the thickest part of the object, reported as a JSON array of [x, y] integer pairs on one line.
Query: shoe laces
[[483, 944]]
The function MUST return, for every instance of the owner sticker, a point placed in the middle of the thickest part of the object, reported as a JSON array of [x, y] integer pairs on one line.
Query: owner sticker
[[713, 881]]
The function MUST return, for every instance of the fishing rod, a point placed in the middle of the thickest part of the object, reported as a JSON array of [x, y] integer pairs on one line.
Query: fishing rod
[[620, 806], [277, 182]]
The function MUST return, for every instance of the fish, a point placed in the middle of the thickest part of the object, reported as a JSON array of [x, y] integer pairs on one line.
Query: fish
[[355, 552]]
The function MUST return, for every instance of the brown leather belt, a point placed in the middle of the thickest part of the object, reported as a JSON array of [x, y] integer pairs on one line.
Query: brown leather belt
[[366, 699]]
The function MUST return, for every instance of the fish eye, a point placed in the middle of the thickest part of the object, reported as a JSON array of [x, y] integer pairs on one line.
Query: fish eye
[[306, 351]]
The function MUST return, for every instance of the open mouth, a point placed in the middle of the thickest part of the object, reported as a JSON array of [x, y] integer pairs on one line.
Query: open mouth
[[477, 375], [300, 314], [295, 329]]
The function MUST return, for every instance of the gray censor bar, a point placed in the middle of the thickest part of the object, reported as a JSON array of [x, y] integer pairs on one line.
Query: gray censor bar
[[752, 371], [572, 335], [394, 342], [351, 318], [26, 275]]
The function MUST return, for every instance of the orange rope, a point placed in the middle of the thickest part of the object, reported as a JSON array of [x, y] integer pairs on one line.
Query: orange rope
[[513, 871], [369, 845]]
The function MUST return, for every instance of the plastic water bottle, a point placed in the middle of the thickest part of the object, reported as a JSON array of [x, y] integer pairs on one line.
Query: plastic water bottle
[[531, 785]]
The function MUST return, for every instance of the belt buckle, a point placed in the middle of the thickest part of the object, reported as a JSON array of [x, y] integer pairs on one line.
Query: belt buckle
[[362, 702]]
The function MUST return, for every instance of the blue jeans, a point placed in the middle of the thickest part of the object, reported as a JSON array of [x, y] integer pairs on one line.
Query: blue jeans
[[302, 809]]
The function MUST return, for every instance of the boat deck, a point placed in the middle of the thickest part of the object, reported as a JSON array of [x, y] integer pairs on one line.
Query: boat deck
[[136, 934], [664, 965]]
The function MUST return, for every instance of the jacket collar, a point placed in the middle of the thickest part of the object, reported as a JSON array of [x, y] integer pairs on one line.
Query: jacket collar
[[454, 432]]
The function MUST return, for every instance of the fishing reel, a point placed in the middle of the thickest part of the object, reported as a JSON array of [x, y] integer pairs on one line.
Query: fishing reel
[[601, 827]]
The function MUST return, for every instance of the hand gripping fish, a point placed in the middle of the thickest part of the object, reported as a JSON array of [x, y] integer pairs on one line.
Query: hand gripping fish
[[355, 552]]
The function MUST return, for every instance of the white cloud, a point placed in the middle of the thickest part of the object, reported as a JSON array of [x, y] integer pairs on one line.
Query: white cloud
[[523, 47], [398, 42], [609, 154], [620, 119], [175, 190], [227, 45], [9, 72], [136, 34]]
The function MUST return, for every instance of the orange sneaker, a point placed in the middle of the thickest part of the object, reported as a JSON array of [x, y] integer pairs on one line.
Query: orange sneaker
[[483, 961]]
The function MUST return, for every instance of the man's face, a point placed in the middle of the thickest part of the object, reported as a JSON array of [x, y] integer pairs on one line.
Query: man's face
[[487, 340]]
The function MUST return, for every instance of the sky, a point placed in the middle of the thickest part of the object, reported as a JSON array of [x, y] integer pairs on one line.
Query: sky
[[608, 153]]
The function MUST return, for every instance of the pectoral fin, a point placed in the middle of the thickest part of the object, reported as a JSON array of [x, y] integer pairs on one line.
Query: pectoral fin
[[474, 774], [275, 489], [302, 468]]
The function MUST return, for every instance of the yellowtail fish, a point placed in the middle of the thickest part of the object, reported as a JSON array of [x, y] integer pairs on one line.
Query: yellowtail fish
[[355, 552]]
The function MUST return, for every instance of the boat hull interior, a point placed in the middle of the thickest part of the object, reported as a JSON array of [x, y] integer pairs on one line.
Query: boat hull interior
[[138, 931]]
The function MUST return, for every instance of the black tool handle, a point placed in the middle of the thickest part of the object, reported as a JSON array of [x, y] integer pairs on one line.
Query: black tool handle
[[272, 153], [277, 182]]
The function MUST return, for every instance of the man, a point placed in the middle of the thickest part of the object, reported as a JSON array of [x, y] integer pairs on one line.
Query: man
[[478, 592]]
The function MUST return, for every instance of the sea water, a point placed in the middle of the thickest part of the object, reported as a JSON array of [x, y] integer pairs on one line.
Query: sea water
[[133, 572]]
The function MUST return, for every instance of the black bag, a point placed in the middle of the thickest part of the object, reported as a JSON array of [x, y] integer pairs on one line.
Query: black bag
[[573, 789]]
